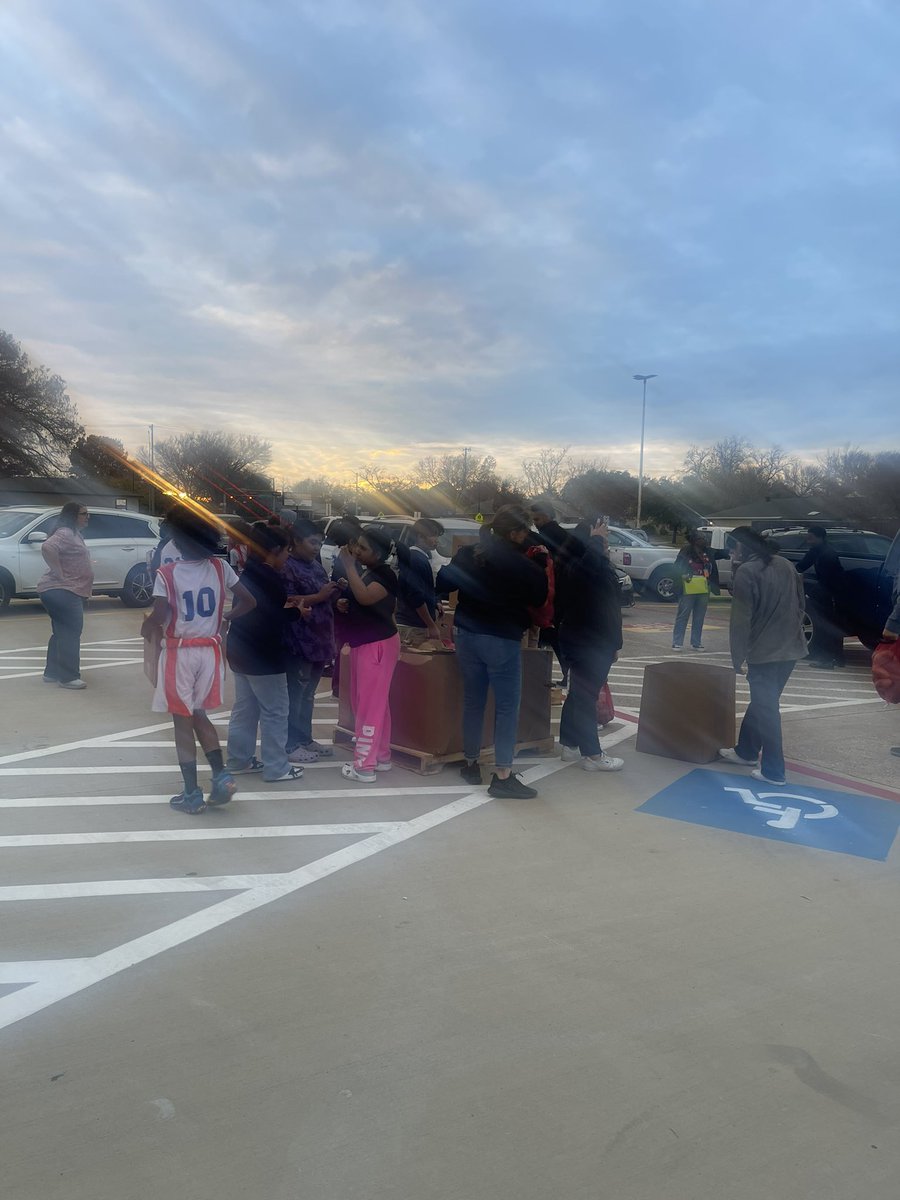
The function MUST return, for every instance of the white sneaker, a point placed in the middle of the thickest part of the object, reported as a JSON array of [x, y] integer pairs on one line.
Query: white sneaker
[[678, 649], [73, 685], [602, 763], [732, 756], [384, 766], [291, 773], [349, 771], [699, 649], [569, 753], [757, 774]]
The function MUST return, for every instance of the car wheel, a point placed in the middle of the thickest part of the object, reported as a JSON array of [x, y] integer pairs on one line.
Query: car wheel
[[808, 628], [663, 585], [138, 589], [7, 590]]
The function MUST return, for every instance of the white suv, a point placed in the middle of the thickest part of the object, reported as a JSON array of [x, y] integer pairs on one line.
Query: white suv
[[120, 543]]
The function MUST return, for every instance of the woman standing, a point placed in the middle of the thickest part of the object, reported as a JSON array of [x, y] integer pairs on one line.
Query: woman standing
[[696, 576], [498, 585], [590, 638], [63, 590], [767, 641], [371, 632]]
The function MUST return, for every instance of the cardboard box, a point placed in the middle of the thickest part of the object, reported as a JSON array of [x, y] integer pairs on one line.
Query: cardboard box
[[427, 702], [687, 711]]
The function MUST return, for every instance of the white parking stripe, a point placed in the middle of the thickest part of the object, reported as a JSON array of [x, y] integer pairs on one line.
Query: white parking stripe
[[208, 834], [279, 796]]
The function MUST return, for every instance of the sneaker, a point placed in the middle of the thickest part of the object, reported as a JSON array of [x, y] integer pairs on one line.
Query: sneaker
[[511, 789], [602, 762], [471, 773], [290, 773], [820, 666], [895, 750], [569, 753], [387, 765], [223, 788], [699, 649], [319, 750], [253, 765], [73, 685], [189, 802], [732, 756], [302, 755], [757, 774], [357, 774], [677, 648]]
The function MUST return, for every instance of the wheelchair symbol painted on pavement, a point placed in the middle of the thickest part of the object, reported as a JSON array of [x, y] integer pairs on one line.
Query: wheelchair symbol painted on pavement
[[784, 816]]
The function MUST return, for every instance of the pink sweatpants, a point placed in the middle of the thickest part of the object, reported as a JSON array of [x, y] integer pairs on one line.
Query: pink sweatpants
[[372, 669]]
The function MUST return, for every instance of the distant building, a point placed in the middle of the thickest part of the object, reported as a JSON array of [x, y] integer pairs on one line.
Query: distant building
[[774, 512], [57, 490]]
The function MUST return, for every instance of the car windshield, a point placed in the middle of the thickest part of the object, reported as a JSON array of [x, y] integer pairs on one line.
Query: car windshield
[[11, 521]]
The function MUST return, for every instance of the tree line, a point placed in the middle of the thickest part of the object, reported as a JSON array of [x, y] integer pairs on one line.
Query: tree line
[[41, 434]]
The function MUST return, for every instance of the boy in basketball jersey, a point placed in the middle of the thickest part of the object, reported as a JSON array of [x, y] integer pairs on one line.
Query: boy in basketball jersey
[[188, 605]]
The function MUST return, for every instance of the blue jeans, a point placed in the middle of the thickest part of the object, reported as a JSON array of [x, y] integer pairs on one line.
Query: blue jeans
[[67, 621], [302, 680], [260, 703], [485, 660], [694, 607], [761, 726], [589, 666]]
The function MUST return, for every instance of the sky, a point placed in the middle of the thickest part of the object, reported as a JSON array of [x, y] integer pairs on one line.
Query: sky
[[371, 230]]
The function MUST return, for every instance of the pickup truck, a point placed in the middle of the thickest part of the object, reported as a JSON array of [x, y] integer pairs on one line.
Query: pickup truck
[[652, 568]]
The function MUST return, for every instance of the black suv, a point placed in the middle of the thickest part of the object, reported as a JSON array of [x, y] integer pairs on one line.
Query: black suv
[[871, 566]]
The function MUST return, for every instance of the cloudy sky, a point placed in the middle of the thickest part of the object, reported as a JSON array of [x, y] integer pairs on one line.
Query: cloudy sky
[[381, 228]]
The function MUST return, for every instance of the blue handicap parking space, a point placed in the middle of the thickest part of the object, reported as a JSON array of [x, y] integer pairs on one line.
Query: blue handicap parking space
[[843, 822]]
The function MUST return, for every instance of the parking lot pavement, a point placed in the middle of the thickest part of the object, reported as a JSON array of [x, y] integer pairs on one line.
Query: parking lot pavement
[[664, 982]]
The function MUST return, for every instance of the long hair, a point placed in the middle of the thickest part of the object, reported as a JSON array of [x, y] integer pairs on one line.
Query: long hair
[[68, 516], [510, 519]]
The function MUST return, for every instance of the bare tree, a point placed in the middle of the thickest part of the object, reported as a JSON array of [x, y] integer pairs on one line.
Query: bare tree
[[547, 472], [214, 465]]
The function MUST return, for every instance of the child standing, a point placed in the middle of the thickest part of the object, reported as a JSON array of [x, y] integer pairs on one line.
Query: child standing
[[258, 660], [188, 610], [310, 642], [417, 607], [374, 649]]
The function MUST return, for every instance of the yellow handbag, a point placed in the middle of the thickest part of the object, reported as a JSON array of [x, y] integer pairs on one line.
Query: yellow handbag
[[697, 585]]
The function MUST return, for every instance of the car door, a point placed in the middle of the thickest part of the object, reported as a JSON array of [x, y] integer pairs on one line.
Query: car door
[[31, 561], [117, 542]]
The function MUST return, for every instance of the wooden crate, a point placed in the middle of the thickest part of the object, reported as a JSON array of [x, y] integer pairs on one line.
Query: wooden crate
[[424, 763]]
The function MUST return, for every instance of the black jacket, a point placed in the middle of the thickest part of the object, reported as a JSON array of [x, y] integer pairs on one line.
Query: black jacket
[[255, 643], [555, 538], [589, 606], [497, 585], [829, 569], [416, 586]]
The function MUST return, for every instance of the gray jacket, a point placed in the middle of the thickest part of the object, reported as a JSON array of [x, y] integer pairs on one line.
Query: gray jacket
[[767, 609]]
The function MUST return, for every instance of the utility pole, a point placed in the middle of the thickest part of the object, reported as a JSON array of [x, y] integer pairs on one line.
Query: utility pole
[[465, 470], [642, 379]]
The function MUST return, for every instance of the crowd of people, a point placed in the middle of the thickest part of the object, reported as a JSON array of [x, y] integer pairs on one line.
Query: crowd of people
[[288, 621]]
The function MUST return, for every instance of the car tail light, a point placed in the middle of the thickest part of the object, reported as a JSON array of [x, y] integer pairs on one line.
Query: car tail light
[[626, 560]]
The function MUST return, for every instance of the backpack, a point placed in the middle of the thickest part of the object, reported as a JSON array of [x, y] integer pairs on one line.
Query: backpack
[[886, 671]]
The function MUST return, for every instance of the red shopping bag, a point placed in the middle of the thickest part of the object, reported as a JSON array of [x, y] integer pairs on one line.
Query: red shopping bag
[[606, 710], [886, 671]]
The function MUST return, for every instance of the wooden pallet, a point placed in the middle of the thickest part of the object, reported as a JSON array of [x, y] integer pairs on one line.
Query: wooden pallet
[[424, 763]]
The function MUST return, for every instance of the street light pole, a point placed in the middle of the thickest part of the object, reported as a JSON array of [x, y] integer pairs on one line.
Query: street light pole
[[643, 380]]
